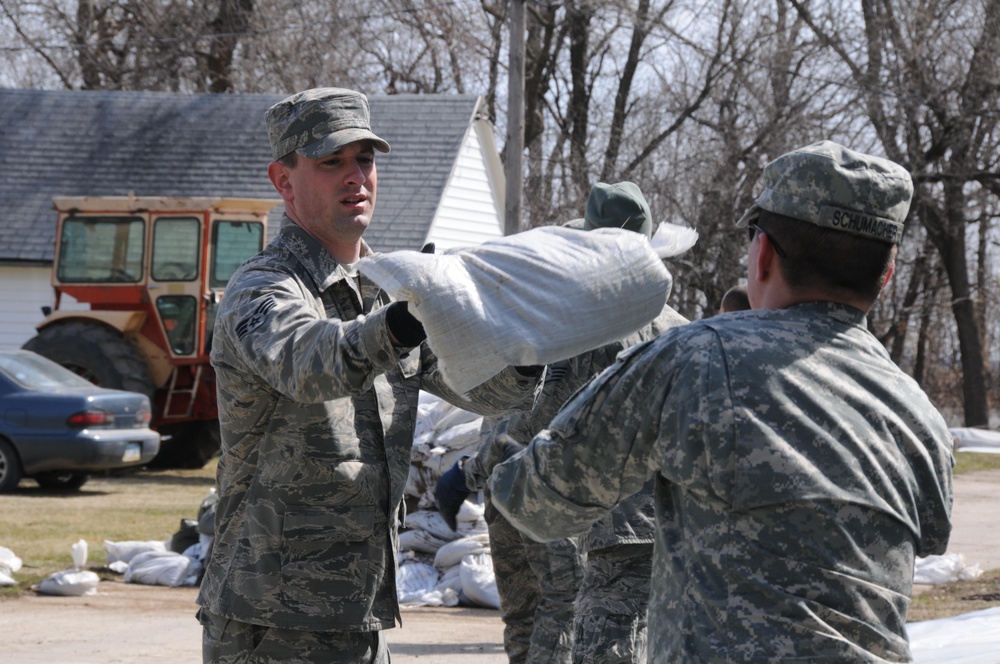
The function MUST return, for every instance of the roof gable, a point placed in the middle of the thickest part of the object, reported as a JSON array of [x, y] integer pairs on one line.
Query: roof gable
[[111, 143]]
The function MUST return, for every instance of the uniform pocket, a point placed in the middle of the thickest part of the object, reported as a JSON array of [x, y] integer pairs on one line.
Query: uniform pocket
[[326, 556]]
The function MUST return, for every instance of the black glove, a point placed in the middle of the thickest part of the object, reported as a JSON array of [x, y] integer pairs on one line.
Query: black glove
[[450, 492], [403, 326]]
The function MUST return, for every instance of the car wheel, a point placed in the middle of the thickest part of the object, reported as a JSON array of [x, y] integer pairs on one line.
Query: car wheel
[[61, 481], [10, 467]]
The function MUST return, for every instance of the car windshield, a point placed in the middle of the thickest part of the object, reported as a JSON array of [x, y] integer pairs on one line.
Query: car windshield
[[36, 372]]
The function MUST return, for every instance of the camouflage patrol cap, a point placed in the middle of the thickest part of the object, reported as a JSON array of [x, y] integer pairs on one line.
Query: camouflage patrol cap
[[619, 205], [320, 121], [832, 186]]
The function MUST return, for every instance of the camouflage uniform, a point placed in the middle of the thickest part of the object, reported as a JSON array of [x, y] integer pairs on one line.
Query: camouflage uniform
[[317, 409], [539, 583], [798, 470]]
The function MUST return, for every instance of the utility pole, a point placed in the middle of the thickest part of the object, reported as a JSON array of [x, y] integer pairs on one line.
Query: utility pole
[[515, 122]]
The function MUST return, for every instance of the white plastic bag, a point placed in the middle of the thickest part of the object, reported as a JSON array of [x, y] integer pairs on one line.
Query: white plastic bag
[[452, 553], [479, 585], [430, 521], [527, 299], [9, 562], [126, 551], [159, 568], [419, 540], [70, 582], [75, 581]]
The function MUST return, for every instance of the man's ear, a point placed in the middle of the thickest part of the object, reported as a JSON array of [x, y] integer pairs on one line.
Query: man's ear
[[765, 258], [888, 273], [278, 174]]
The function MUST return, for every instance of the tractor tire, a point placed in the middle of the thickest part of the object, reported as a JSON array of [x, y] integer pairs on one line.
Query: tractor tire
[[187, 445], [96, 352], [10, 467], [61, 480]]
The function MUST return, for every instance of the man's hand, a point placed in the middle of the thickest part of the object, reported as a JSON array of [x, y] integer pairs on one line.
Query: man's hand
[[450, 492]]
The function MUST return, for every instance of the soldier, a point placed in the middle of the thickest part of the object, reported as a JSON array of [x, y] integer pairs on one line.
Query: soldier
[[735, 299], [551, 612], [318, 375], [798, 470]]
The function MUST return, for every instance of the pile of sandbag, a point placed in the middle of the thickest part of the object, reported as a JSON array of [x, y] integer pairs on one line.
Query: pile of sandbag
[[178, 561], [439, 566]]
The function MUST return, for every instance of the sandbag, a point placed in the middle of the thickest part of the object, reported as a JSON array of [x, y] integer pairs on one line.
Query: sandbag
[[533, 298], [479, 585], [70, 583], [160, 568]]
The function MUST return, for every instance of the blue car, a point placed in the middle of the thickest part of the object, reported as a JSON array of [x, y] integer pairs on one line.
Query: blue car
[[57, 427]]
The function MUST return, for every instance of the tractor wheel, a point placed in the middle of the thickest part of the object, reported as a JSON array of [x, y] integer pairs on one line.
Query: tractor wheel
[[61, 480], [187, 445], [10, 467], [97, 352]]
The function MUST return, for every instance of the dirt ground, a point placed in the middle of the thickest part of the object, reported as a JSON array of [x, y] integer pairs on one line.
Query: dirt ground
[[129, 623]]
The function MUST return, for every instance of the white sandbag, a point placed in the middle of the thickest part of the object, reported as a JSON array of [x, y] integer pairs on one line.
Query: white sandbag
[[79, 554], [470, 511], [430, 521], [9, 562], [479, 585], [413, 579], [452, 553], [936, 570], [460, 435], [451, 578], [420, 540], [470, 528], [159, 568], [6, 579], [126, 551], [70, 583], [968, 439], [532, 298]]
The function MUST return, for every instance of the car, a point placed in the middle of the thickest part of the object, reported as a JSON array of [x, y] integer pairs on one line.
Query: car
[[57, 427]]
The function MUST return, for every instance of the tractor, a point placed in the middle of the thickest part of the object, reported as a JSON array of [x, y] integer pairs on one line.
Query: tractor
[[152, 270]]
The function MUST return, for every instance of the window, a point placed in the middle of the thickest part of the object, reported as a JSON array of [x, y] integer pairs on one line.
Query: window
[[176, 249], [179, 314], [233, 242], [101, 249]]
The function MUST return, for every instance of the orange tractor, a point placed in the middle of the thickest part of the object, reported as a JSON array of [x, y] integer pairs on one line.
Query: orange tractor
[[152, 270]]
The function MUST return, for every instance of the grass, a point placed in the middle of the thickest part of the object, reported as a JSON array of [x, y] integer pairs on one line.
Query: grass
[[41, 526], [952, 599], [970, 462]]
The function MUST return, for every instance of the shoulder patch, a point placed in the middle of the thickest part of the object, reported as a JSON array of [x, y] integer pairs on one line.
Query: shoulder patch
[[255, 319]]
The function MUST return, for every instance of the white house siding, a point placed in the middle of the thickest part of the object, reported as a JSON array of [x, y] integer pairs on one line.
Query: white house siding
[[23, 293], [469, 213]]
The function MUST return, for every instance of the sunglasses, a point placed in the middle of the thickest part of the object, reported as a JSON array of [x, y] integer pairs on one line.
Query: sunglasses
[[752, 230]]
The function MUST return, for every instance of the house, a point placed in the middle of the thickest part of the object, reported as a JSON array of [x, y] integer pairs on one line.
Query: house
[[442, 182]]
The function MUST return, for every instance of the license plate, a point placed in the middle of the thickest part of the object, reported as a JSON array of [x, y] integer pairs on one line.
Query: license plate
[[133, 452]]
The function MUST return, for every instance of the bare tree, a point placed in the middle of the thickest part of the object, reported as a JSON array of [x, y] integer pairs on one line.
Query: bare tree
[[930, 77]]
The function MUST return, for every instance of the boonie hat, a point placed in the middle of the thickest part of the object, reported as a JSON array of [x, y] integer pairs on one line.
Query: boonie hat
[[318, 122], [620, 205], [835, 187]]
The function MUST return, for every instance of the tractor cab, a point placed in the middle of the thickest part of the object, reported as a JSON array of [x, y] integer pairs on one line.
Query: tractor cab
[[152, 270]]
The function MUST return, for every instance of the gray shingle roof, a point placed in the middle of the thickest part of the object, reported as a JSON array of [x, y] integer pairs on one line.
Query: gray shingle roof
[[110, 143]]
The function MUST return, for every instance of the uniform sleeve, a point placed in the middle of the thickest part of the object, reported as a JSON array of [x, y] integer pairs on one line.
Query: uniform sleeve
[[502, 438], [595, 452], [271, 323]]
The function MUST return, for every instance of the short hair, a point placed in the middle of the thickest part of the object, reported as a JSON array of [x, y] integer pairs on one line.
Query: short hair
[[289, 160], [735, 299], [819, 257]]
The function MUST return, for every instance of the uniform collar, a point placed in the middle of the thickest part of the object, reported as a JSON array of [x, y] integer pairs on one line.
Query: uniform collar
[[317, 261]]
